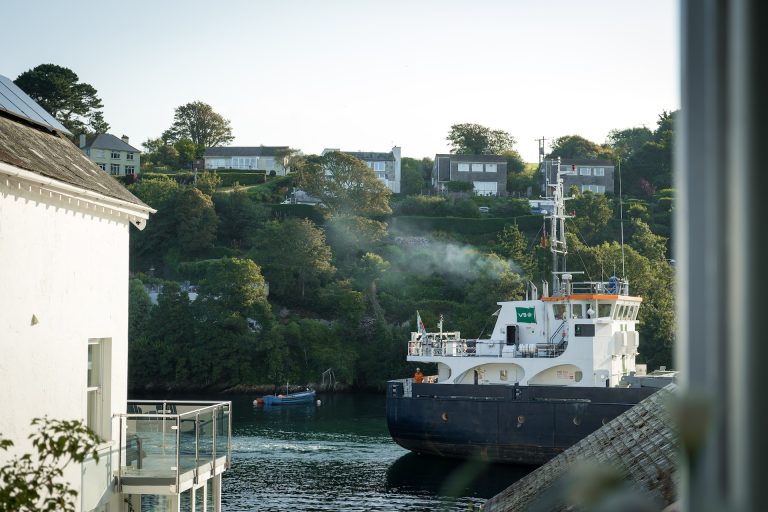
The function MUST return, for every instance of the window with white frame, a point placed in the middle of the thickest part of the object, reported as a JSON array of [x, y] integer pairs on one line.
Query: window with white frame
[[585, 171], [130, 169], [99, 411], [600, 189], [379, 166], [115, 155], [599, 171], [114, 169], [485, 188], [129, 156], [477, 167], [463, 167], [490, 167], [103, 166]]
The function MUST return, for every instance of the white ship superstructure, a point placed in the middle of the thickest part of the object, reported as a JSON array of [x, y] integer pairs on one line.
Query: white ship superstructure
[[582, 334]]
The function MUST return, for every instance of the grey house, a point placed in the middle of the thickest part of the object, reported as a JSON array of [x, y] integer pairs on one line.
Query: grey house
[[586, 175], [488, 173], [255, 158], [387, 166], [113, 155]]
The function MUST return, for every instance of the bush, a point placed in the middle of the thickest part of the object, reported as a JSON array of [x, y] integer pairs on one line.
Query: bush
[[459, 186], [416, 225]]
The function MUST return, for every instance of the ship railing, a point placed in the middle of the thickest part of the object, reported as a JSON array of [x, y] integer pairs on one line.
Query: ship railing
[[610, 287], [173, 444]]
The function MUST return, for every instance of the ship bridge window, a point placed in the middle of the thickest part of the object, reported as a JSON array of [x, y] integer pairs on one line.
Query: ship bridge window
[[560, 311], [577, 310], [604, 309]]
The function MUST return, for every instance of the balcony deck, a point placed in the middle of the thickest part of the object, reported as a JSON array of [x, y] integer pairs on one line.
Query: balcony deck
[[172, 446]]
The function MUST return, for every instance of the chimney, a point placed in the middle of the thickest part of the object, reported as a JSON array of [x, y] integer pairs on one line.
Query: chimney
[[125, 138], [82, 140]]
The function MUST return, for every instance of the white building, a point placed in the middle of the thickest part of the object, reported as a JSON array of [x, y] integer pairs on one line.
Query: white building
[[64, 229], [387, 166], [256, 158]]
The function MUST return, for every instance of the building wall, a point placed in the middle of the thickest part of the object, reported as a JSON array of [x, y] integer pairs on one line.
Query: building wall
[[67, 265], [256, 163], [104, 157]]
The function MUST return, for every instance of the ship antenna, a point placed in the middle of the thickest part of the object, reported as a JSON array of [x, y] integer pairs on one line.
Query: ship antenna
[[621, 222]]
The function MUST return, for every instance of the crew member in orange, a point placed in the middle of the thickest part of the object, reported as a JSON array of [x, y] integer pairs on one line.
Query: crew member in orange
[[418, 377]]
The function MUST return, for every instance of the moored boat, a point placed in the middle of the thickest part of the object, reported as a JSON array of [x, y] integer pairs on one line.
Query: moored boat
[[301, 397], [556, 367]]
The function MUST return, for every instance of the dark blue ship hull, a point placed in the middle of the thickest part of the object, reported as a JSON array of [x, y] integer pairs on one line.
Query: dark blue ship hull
[[506, 424]]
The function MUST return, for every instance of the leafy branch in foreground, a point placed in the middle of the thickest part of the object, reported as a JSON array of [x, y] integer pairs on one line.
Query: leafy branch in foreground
[[33, 481]]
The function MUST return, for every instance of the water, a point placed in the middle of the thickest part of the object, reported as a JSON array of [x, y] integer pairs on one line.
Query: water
[[339, 456]]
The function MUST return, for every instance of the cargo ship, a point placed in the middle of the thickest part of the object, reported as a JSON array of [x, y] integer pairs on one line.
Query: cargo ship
[[556, 367]]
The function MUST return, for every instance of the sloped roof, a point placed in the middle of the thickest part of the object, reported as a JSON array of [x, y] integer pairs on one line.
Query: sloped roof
[[227, 151], [53, 155], [110, 142]]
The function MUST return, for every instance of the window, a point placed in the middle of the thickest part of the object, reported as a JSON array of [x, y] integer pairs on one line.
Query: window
[[560, 311], [379, 166], [485, 188], [599, 171], [576, 310], [490, 167], [597, 189], [477, 167], [604, 310], [584, 329], [115, 155], [585, 171], [463, 167], [129, 156], [114, 169], [98, 414], [503, 375], [103, 166], [130, 169]]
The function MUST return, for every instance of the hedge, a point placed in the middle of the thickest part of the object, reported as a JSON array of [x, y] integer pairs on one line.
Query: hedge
[[302, 211], [228, 179], [417, 224]]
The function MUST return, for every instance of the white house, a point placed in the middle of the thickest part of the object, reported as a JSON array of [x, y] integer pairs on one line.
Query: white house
[[254, 158], [64, 229], [387, 166]]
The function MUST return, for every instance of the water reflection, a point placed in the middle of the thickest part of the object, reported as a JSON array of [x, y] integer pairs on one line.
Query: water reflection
[[423, 474]]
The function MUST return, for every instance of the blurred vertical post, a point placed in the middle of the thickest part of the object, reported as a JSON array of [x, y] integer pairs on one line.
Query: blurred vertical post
[[722, 350]]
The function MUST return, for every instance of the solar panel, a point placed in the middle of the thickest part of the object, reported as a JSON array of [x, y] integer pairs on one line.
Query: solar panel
[[16, 102]]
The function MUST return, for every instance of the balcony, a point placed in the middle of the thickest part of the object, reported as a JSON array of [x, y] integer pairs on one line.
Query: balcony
[[170, 447]]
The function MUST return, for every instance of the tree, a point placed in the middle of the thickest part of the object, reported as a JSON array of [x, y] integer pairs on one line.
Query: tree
[[513, 244], [195, 220], [412, 176], [59, 91], [208, 182], [187, 151], [294, 256], [198, 122], [240, 217], [575, 146], [34, 482], [475, 139], [626, 143], [345, 184]]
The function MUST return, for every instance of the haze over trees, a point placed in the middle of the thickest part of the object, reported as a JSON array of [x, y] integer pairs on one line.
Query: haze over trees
[[344, 280], [60, 92]]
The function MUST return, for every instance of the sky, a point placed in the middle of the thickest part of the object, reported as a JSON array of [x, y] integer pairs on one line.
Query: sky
[[362, 75]]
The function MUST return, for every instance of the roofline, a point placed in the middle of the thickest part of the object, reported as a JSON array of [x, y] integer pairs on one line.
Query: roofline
[[137, 214]]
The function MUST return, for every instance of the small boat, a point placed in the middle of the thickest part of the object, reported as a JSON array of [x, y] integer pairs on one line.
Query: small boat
[[301, 397]]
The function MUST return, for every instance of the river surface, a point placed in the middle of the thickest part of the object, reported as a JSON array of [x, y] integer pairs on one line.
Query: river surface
[[339, 456]]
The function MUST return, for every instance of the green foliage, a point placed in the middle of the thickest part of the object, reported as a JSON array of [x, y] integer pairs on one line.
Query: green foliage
[[574, 146], [34, 482], [208, 182], [521, 182], [592, 215], [198, 122], [294, 256], [239, 217], [475, 139], [59, 91], [513, 244], [489, 225], [139, 308], [414, 175], [433, 206], [187, 151], [459, 186], [345, 184]]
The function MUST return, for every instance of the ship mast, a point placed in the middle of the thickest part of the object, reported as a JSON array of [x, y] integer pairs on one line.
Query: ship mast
[[558, 246]]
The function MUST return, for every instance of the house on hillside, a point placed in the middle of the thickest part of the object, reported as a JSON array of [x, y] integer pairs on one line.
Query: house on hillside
[[487, 173], [113, 155], [254, 158], [587, 175], [387, 166], [64, 233]]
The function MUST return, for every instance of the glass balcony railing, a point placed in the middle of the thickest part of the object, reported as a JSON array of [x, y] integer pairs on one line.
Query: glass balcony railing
[[174, 443]]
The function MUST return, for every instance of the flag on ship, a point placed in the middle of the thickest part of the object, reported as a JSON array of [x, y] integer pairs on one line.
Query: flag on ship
[[420, 324]]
